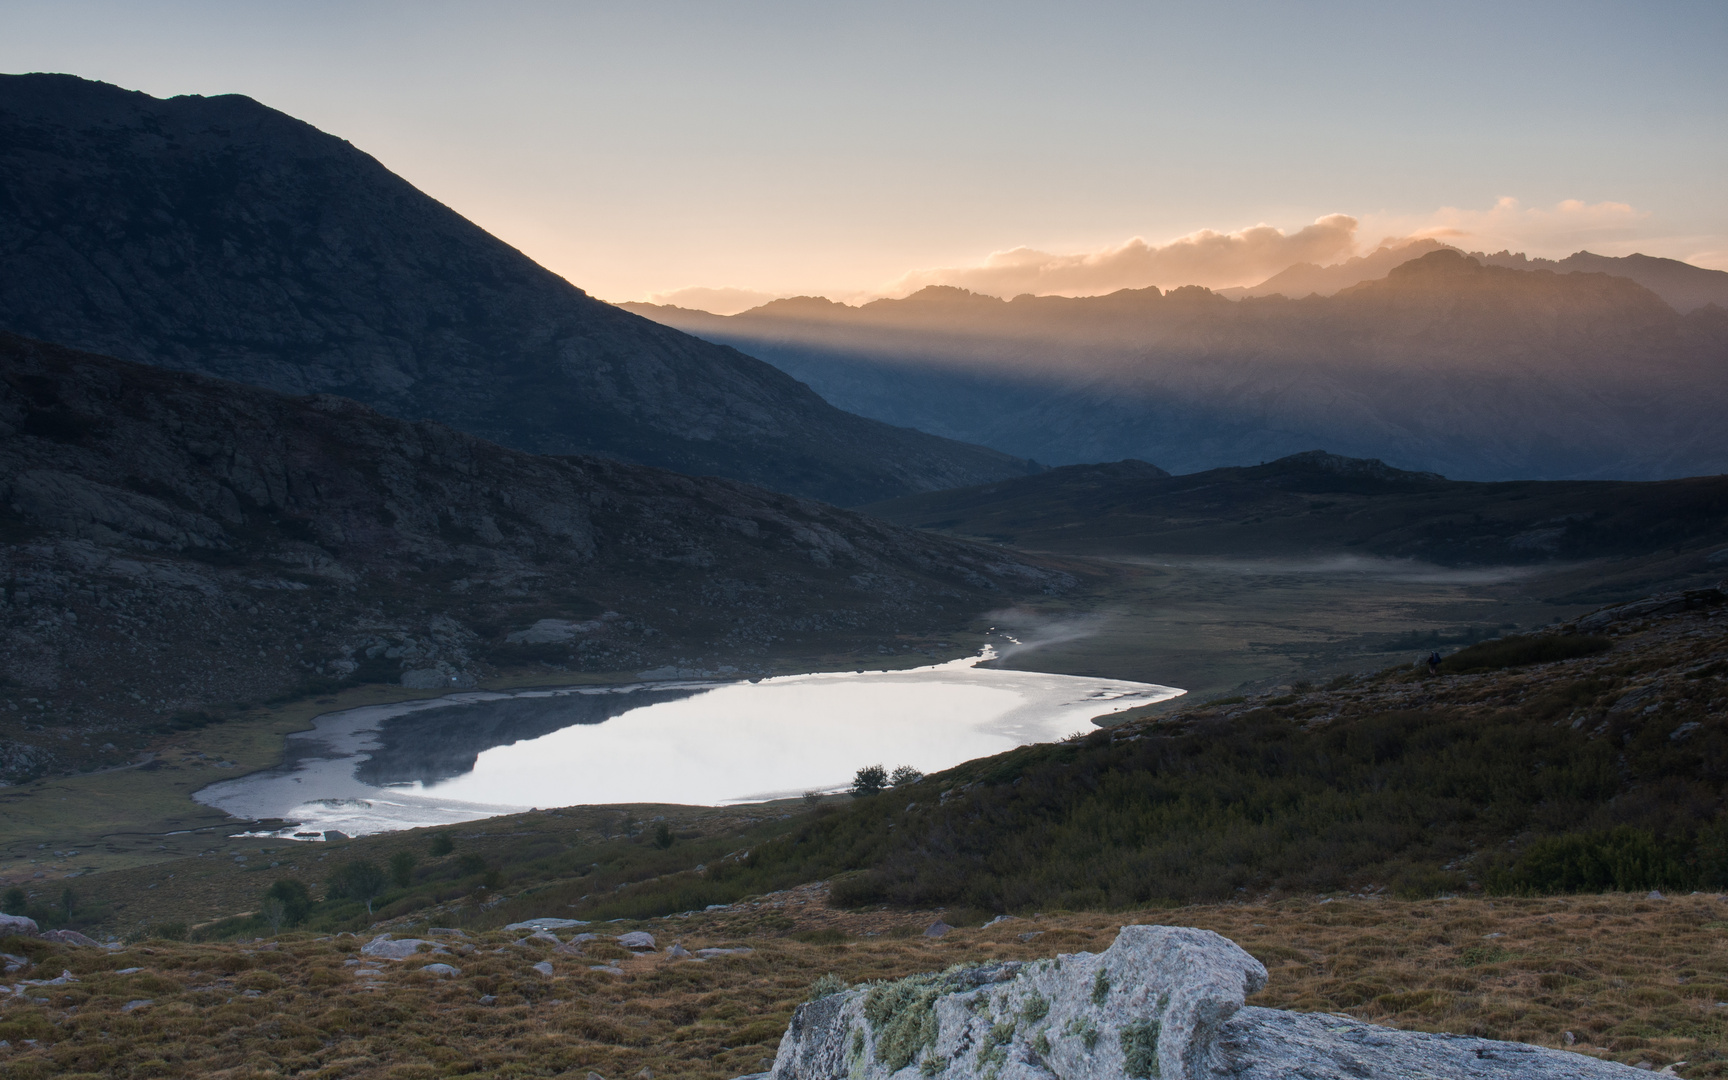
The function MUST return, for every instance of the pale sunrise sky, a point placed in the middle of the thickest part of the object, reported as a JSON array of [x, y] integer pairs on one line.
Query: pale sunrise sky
[[856, 149]]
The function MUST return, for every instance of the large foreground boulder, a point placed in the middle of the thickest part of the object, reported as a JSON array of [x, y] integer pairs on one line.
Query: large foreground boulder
[[1162, 1003]]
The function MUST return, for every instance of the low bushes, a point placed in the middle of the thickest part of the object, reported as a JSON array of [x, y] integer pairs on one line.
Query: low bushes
[[1521, 649]]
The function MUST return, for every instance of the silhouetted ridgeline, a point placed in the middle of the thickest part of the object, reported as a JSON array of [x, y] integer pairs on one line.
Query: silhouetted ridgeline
[[1478, 372], [219, 236]]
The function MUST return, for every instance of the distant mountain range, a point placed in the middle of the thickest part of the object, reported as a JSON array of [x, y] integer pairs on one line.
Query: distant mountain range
[[219, 236], [1480, 372], [171, 544], [1682, 286]]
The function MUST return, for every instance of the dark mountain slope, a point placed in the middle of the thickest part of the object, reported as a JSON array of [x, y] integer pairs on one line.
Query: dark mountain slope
[[219, 236], [1317, 504], [1480, 372], [172, 542], [1682, 286]]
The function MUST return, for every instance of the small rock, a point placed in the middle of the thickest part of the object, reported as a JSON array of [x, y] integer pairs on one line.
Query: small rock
[[1568, 1038], [645, 1074], [678, 952], [636, 939], [937, 929], [998, 919], [1030, 934], [609, 969], [136, 1003], [544, 967], [487, 999], [18, 963], [542, 924], [442, 970], [580, 938], [385, 949], [724, 952], [1654, 895], [69, 937]]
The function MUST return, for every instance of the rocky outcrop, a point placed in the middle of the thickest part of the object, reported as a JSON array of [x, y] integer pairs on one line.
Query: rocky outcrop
[[1162, 1003], [171, 543], [220, 236]]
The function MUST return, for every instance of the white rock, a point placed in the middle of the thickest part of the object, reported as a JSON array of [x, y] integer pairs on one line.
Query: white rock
[[678, 952], [544, 967], [546, 924], [636, 939], [441, 969], [1162, 1002], [384, 948], [17, 926]]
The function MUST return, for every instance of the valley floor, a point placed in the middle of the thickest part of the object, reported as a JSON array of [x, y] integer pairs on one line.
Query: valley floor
[[1639, 980]]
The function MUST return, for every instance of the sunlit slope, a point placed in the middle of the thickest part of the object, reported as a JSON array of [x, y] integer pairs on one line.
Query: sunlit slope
[[1478, 372]]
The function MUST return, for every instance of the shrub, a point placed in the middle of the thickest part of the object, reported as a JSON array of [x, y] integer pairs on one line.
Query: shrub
[[1524, 649], [868, 781], [1622, 860], [291, 897], [903, 775], [359, 879], [662, 836], [402, 868], [441, 845]]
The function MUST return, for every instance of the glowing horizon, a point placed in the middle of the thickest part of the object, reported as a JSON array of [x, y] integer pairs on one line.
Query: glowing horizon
[[769, 149]]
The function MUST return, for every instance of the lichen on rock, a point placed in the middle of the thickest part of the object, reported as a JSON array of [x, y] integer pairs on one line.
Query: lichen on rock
[[1162, 1003]]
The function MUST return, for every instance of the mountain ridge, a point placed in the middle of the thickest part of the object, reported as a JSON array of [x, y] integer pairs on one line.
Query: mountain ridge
[[1476, 371], [220, 236]]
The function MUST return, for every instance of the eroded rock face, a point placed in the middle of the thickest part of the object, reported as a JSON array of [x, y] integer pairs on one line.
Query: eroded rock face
[[1162, 1003]]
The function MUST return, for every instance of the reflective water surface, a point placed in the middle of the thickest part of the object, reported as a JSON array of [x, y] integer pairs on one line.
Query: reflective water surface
[[477, 754]]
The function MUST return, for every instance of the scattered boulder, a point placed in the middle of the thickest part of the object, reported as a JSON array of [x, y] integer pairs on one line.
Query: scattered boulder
[[70, 937], [384, 948], [710, 953], [1162, 1002], [544, 924], [678, 952], [136, 1003], [544, 967], [937, 929], [14, 963], [441, 970], [17, 926], [637, 939]]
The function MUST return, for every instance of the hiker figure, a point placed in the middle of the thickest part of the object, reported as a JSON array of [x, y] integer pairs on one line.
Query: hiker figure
[[1433, 663]]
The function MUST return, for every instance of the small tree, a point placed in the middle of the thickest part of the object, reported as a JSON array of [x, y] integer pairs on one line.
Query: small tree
[[441, 845], [14, 901], [868, 781], [402, 868], [903, 775], [357, 880], [662, 836], [68, 902], [296, 901], [275, 912]]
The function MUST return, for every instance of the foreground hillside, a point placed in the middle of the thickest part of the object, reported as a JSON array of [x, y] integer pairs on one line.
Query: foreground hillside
[[219, 236], [1636, 980], [174, 547], [1476, 371]]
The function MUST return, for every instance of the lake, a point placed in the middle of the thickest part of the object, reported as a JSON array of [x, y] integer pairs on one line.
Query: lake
[[478, 754]]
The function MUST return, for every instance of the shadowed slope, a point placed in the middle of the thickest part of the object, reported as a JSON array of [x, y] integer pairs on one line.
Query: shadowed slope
[[219, 236]]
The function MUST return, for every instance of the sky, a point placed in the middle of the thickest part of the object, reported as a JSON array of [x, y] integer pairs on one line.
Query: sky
[[850, 150]]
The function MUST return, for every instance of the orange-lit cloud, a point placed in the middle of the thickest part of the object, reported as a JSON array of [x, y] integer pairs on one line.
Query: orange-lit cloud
[[1209, 258], [1552, 232]]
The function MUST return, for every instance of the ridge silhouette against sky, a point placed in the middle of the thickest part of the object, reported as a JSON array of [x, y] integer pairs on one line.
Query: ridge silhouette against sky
[[785, 147]]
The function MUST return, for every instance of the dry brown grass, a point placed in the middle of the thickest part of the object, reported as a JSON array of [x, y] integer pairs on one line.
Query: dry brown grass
[[1632, 979]]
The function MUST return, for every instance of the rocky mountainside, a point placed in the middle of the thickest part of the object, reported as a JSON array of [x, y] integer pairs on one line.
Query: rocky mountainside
[[1478, 372], [173, 543], [219, 236]]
